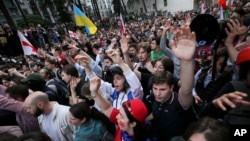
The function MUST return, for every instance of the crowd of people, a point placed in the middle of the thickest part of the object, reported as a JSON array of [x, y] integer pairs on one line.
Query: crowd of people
[[153, 81]]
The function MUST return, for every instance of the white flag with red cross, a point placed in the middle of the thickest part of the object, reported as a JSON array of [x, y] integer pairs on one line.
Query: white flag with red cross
[[28, 48]]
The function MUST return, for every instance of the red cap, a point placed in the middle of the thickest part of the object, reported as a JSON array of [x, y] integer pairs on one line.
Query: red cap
[[243, 56], [137, 109]]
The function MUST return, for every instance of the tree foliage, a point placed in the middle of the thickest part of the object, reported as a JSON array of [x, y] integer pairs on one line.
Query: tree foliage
[[35, 19]]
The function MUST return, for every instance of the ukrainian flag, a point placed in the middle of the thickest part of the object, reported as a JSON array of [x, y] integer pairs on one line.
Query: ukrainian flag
[[82, 20]]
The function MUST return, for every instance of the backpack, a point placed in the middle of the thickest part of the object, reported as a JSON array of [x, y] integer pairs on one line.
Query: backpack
[[62, 91], [106, 137], [241, 114]]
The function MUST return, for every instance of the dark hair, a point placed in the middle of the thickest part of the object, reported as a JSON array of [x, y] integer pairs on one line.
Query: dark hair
[[134, 45], [83, 110], [35, 85], [70, 70], [6, 78], [16, 79], [17, 91], [51, 61], [34, 136], [163, 77], [212, 129], [139, 130], [222, 52], [85, 92], [49, 72], [241, 12], [107, 57], [157, 40], [167, 64]]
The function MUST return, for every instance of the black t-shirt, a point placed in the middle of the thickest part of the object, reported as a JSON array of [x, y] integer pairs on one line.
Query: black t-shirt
[[170, 119]]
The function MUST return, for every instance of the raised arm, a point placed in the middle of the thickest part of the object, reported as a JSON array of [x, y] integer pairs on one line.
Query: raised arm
[[101, 102], [124, 47], [231, 34], [130, 76], [184, 48]]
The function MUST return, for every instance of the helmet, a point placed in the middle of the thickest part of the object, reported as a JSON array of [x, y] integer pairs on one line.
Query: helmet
[[243, 56]]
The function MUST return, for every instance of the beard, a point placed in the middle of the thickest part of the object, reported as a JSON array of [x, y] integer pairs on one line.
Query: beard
[[38, 112]]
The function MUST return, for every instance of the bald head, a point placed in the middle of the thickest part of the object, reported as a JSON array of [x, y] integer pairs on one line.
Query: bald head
[[36, 102], [36, 97]]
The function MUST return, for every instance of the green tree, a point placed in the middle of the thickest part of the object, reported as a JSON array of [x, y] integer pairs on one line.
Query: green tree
[[35, 19]]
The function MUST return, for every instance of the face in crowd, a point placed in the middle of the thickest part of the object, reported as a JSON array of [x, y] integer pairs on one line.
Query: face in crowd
[[143, 55]]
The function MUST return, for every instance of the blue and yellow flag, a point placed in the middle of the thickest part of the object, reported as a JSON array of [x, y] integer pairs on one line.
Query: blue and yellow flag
[[82, 20]]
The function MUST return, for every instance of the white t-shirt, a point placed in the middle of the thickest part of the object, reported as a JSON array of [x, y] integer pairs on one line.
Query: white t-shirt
[[48, 128]]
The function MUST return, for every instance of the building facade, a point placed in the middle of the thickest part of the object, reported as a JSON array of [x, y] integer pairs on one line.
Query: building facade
[[159, 6], [105, 8], [14, 11]]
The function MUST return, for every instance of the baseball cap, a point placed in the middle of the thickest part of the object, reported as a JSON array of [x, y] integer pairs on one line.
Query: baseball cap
[[243, 56], [115, 69], [137, 109], [33, 76]]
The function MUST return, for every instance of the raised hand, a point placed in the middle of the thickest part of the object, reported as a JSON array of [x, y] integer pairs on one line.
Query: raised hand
[[95, 84], [166, 25], [84, 60], [232, 31], [73, 83], [114, 55], [183, 46], [124, 44], [232, 28], [231, 100]]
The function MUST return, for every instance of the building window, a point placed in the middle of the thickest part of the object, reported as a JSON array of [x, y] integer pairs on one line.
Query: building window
[[165, 2], [154, 6]]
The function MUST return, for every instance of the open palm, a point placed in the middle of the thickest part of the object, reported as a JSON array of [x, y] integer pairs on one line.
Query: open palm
[[184, 46]]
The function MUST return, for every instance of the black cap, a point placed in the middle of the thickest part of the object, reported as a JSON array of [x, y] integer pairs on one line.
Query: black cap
[[115, 69], [206, 28]]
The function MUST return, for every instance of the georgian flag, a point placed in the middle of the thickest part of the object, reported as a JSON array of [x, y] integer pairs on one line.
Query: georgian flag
[[121, 24], [72, 34], [28, 48]]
